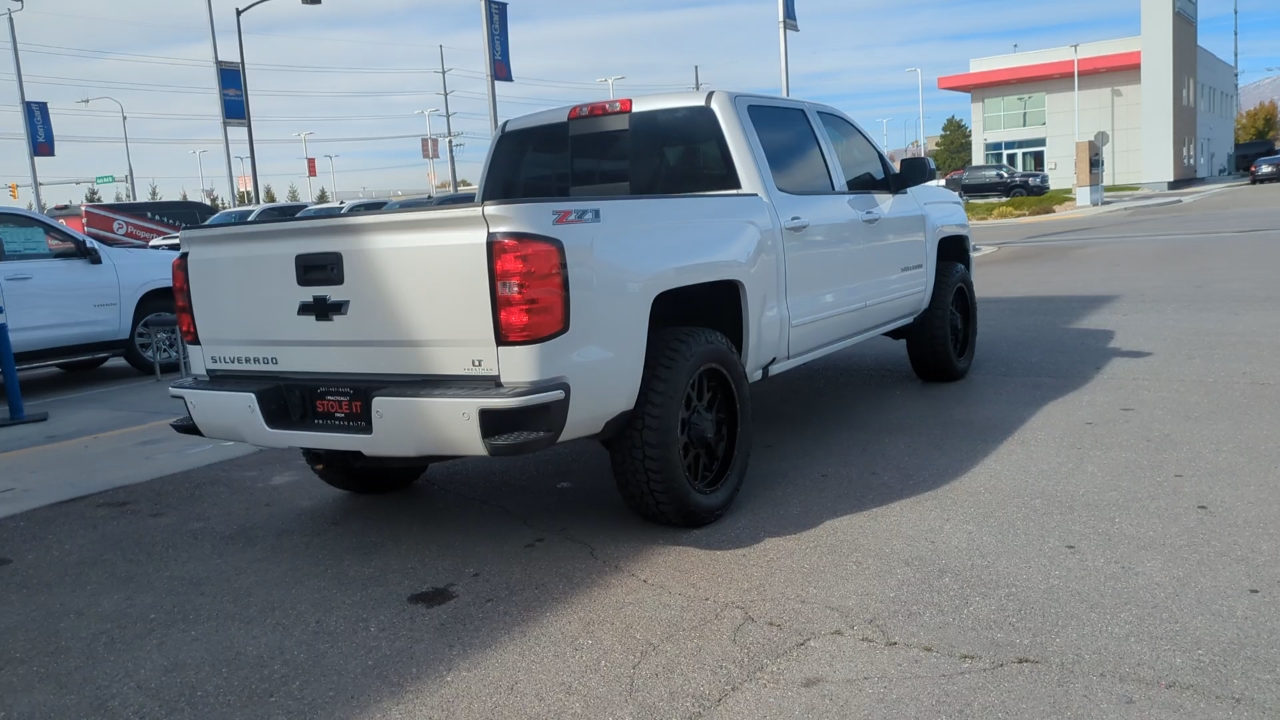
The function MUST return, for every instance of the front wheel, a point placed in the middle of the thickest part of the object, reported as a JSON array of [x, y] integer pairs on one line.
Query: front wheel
[[682, 458], [354, 473], [1018, 192], [942, 340], [149, 337]]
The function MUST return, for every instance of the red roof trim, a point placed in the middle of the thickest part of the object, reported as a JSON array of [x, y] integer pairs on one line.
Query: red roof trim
[[1094, 65]]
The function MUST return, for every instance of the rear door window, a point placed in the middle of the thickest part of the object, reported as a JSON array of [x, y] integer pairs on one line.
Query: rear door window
[[791, 148], [659, 152]]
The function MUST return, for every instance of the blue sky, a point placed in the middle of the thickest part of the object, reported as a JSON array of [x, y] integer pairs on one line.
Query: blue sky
[[354, 71]]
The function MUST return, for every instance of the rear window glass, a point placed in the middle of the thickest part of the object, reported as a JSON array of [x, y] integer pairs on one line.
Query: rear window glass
[[659, 152]]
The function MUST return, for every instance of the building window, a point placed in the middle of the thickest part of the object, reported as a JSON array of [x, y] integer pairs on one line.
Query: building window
[[1025, 155], [1014, 112]]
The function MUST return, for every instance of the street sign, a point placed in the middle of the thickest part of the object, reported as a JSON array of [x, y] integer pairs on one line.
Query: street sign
[[311, 167], [499, 40], [104, 180], [430, 148], [789, 16], [231, 86], [40, 129], [244, 182]]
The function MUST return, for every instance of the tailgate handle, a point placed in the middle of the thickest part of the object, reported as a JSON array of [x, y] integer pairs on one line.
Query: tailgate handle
[[319, 269]]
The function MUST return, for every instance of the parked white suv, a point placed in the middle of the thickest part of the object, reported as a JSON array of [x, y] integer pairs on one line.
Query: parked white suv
[[75, 303], [630, 267]]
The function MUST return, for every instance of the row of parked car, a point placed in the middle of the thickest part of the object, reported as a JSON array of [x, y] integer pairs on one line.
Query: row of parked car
[[281, 210]]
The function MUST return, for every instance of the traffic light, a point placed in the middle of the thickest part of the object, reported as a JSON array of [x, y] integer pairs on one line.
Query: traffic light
[[13, 190]]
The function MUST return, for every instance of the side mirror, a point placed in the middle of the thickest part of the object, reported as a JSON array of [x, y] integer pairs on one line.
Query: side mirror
[[916, 171], [92, 254]]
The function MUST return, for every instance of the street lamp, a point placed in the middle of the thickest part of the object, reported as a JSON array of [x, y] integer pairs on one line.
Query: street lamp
[[611, 80], [124, 124], [333, 177], [884, 122], [241, 158], [311, 196], [200, 164], [244, 74], [924, 147], [431, 161]]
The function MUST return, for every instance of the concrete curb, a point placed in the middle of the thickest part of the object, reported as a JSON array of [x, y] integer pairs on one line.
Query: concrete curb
[[1118, 207]]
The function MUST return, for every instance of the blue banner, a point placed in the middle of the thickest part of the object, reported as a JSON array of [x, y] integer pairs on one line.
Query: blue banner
[[499, 40], [231, 86], [40, 129], [789, 15]]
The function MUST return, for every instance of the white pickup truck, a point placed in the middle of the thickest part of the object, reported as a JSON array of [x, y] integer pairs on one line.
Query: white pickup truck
[[629, 268]]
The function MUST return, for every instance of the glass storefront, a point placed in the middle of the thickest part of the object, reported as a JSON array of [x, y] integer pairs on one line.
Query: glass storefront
[[1025, 155]]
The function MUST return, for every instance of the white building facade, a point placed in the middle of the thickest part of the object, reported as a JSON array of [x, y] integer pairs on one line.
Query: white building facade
[[1161, 108]]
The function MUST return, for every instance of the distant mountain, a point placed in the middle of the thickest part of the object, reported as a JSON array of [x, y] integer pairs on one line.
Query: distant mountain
[[1255, 94]]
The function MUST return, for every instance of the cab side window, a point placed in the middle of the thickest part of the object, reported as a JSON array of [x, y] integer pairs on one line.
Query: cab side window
[[22, 238], [864, 171]]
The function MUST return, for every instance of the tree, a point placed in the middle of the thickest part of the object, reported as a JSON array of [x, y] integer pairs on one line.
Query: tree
[[183, 195], [153, 193], [1260, 123], [293, 195], [323, 195], [30, 206], [464, 183], [268, 194], [244, 197], [955, 146], [119, 196], [212, 198], [92, 195]]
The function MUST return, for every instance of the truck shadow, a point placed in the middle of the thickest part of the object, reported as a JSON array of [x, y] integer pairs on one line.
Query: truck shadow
[[319, 604]]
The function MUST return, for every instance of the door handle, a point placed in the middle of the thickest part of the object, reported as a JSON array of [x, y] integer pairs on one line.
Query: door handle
[[871, 217], [796, 224], [18, 277]]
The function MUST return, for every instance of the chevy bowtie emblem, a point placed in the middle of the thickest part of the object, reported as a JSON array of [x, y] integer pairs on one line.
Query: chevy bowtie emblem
[[322, 308]]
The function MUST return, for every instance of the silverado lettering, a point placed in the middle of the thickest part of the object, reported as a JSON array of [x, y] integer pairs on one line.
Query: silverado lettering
[[241, 360]]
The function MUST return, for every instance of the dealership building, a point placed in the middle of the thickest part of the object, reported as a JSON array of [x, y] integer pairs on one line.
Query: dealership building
[[1161, 108]]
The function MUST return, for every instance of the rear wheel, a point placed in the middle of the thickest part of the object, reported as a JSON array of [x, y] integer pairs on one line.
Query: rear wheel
[[148, 336], [682, 458], [78, 366], [355, 473], [942, 340]]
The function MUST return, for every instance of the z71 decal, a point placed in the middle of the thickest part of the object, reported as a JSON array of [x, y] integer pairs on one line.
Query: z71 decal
[[576, 217]]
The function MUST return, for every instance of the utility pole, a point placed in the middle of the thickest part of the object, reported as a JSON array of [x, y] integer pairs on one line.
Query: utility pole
[[697, 81], [311, 196], [226, 142], [782, 31], [333, 177], [448, 123], [22, 105], [884, 122], [488, 66], [924, 146]]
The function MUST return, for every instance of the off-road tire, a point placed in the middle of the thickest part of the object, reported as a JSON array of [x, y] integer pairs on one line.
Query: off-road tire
[[648, 464], [344, 471], [79, 366], [936, 354], [1017, 192], [145, 309]]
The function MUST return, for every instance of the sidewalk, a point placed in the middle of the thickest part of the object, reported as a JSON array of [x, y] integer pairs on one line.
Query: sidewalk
[[1128, 201]]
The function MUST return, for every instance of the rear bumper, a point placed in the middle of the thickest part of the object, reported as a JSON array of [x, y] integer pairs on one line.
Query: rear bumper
[[408, 420]]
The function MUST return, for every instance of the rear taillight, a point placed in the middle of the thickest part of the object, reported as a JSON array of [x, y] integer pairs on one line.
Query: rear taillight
[[182, 301], [1254, 168], [530, 288]]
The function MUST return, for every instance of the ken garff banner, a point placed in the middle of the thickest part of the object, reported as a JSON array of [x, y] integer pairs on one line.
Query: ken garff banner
[[40, 129], [231, 86], [499, 41], [789, 15]]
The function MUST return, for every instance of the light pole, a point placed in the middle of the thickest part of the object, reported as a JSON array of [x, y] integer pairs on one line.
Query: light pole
[[1075, 56], [311, 196], [124, 124], [244, 74], [241, 158], [204, 193], [431, 161], [611, 80], [924, 146], [333, 177], [906, 143], [22, 106], [884, 122]]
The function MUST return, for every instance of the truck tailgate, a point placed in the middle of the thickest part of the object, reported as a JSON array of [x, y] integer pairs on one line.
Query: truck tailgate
[[413, 298]]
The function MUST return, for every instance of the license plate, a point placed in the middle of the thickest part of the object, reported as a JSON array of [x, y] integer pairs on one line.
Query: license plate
[[341, 409], [1267, 169]]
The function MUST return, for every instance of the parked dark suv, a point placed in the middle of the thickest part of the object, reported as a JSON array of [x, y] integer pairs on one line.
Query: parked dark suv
[[1264, 170], [1001, 180]]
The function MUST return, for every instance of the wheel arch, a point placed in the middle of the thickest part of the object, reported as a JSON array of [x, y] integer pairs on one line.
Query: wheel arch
[[719, 305]]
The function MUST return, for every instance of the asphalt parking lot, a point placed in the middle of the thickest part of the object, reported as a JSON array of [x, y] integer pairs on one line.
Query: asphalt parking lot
[[1086, 527]]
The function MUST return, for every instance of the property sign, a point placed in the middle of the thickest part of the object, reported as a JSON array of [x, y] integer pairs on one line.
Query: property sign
[[40, 129], [789, 15], [499, 40], [104, 180], [231, 87], [311, 167], [244, 183], [430, 149]]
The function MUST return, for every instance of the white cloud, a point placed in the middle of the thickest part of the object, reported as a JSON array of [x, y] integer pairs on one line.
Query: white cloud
[[851, 53]]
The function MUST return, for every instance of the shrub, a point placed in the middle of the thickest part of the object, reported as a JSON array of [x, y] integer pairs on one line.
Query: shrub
[[1007, 212]]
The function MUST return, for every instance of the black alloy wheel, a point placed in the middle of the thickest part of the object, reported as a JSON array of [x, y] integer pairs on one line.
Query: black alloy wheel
[[708, 428]]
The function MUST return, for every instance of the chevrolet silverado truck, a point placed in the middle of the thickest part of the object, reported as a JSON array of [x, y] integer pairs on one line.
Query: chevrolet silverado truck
[[627, 270]]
